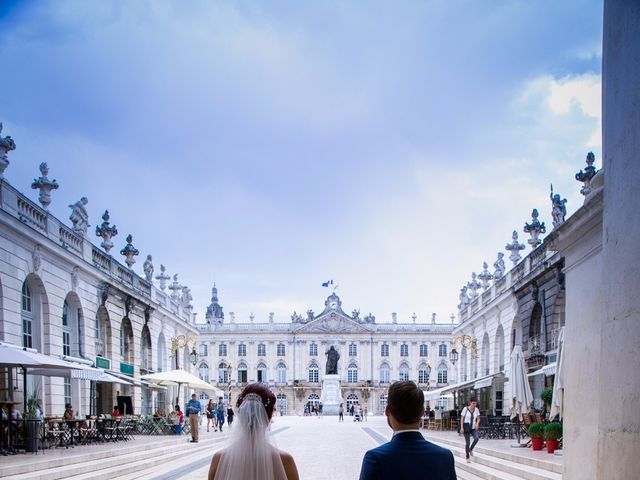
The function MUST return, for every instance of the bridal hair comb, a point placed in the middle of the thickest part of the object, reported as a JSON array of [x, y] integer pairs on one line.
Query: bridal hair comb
[[255, 397]]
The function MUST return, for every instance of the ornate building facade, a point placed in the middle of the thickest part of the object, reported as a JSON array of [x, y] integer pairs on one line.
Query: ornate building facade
[[63, 296], [291, 356]]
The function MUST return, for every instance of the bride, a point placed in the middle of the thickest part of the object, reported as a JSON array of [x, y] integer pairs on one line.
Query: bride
[[251, 455]]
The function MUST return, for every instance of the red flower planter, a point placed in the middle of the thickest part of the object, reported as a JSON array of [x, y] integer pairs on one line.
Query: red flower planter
[[536, 443], [552, 445]]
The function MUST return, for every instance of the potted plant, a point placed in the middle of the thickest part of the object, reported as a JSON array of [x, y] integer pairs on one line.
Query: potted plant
[[547, 396], [552, 434], [32, 420], [536, 433]]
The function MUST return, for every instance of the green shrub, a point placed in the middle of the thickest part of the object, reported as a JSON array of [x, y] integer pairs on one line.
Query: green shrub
[[547, 395], [536, 430], [552, 431]]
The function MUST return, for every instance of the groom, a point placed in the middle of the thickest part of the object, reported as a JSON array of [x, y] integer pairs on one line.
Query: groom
[[408, 455]]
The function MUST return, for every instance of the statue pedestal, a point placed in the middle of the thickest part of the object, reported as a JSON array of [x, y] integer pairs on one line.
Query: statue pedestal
[[331, 397]]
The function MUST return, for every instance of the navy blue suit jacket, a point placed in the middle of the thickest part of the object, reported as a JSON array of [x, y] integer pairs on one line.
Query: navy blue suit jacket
[[408, 456]]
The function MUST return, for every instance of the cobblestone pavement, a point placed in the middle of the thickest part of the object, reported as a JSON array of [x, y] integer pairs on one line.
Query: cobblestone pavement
[[321, 447]]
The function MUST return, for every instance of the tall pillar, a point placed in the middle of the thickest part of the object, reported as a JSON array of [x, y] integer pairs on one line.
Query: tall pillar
[[618, 433]]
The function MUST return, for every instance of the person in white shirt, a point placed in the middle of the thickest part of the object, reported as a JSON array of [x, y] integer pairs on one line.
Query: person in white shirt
[[469, 426]]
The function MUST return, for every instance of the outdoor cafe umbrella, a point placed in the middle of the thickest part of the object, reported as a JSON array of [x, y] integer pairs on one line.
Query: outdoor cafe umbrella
[[558, 382], [25, 359], [521, 396], [180, 378]]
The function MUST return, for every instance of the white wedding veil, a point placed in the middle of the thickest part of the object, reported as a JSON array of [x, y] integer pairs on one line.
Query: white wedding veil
[[252, 454]]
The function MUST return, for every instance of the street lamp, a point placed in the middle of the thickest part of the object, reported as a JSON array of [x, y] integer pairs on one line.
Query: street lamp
[[453, 356], [193, 356]]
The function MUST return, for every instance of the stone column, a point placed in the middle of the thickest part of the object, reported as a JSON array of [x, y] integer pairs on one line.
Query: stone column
[[618, 432]]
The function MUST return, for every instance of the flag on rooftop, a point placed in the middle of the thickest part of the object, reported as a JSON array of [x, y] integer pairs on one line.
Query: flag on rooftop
[[327, 283]]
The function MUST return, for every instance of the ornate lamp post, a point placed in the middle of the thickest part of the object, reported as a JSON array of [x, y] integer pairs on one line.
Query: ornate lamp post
[[181, 341], [193, 356]]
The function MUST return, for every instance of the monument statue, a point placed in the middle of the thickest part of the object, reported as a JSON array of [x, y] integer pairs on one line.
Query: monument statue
[[332, 361], [558, 208]]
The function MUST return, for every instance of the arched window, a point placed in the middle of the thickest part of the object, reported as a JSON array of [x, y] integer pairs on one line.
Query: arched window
[[352, 373], [352, 399], [223, 372], [103, 333], [382, 403], [280, 350], [403, 372], [281, 404], [261, 371], [536, 346], [145, 349], [424, 351], [423, 373], [242, 373], [66, 330], [313, 349], [385, 373], [162, 354], [242, 350], [222, 350], [262, 350], [203, 372], [313, 399], [404, 350], [442, 350], [353, 350], [282, 372], [313, 373], [443, 373], [384, 350], [126, 341], [485, 354], [499, 348], [27, 317], [71, 322]]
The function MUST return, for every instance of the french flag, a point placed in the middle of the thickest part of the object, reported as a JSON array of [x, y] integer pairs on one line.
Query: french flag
[[327, 283]]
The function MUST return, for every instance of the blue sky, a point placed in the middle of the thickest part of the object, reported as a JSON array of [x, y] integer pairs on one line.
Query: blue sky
[[270, 146]]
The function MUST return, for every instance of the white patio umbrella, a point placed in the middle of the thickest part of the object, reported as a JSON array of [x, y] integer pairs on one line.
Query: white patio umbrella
[[558, 382], [180, 378], [521, 396], [25, 359]]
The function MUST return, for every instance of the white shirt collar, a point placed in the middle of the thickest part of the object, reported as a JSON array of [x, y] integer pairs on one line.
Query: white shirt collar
[[405, 431]]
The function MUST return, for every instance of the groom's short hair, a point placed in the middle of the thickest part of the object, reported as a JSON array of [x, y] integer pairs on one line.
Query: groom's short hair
[[405, 402]]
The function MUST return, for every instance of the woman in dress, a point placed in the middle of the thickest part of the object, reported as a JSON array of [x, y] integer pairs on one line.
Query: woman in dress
[[252, 455], [211, 420]]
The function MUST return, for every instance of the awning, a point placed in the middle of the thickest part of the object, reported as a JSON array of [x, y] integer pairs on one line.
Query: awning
[[433, 394], [475, 383], [123, 378], [547, 370], [153, 386]]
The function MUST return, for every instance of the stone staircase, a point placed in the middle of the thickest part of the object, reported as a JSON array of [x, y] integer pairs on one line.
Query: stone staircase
[[490, 464], [123, 460]]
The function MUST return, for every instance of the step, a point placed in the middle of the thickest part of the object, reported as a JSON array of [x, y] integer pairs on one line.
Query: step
[[487, 464], [94, 452], [135, 469], [540, 463], [86, 466]]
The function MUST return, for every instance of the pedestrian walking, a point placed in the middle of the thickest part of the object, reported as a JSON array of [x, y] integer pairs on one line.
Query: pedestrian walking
[[220, 413], [210, 415], [341, 413], [365, 412], [193, 411], [320, 409], [470, 423], [230, 416]]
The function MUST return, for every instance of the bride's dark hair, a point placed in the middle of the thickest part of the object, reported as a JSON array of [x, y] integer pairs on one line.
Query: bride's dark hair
[[267, 396]]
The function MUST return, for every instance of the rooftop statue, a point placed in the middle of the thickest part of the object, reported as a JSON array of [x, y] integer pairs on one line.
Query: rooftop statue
[[6, 145], [485, 276], [586, 175], [147, 266], [162, 277], [464, 297], [45, 185], [129, 251], [106, 231], [499, 267], [473, 285], [514, 247], [558, 208], [535, 228], [79, 217]]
